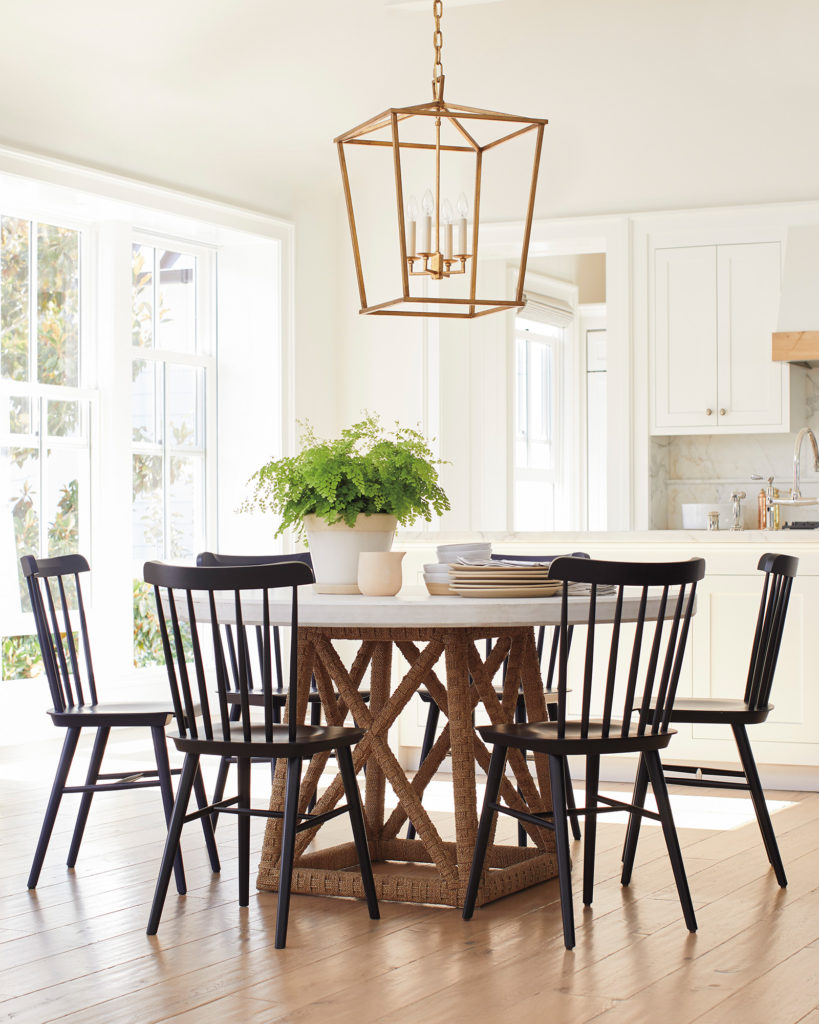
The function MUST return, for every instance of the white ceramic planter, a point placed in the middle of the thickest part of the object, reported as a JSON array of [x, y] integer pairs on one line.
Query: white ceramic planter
[[335, 549]]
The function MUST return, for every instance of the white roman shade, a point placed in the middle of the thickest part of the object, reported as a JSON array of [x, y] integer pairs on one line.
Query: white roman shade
[[547, 310]]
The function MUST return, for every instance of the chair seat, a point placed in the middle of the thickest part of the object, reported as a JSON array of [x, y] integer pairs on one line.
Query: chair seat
[[310, 739], [717, 710], [542, 737], [256, 697], [94, 716]]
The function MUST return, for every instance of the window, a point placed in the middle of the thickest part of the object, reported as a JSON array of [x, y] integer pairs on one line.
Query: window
[[45, 447], [108, 392], [172, 373], [537, 457], [596, 429]]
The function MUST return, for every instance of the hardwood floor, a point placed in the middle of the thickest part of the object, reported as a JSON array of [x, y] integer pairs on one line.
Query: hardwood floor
[[76, 950]]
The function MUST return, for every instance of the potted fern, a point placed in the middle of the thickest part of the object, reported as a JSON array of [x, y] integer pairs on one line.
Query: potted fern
[[348, 495]]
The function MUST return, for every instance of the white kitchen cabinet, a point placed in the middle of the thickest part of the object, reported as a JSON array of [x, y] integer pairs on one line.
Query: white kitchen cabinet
[[712, 310]]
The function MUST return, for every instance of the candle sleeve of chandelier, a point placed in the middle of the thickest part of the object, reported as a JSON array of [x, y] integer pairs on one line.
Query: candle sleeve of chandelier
[[447, 215], [463, 210], [411, 218], [428, 206]]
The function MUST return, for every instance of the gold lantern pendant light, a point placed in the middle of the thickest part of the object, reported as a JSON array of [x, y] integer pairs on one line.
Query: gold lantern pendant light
[[435, 242]]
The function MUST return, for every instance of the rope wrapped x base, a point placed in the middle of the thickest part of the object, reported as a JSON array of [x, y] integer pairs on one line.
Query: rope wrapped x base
[[428, 869]]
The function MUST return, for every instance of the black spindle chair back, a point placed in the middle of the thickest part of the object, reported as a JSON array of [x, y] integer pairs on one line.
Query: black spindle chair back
[[254, 645], [62, 630], [175, 584], [653, 701], [780, 571]]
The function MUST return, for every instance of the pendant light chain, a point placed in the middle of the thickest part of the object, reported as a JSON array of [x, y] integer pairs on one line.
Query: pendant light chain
[[437, 43]]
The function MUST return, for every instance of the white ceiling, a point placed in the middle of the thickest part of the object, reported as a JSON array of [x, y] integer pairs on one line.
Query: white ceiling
[[684, 102]]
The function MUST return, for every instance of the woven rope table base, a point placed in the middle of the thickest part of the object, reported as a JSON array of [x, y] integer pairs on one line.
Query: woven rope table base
[[334, 871]]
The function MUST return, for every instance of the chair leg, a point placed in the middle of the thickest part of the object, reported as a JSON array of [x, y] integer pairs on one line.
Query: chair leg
[[291, 810], [429, 739], [564, 863], [224, 767], [493, 781], [760, 806], [180, 807], [592, 782], [655, 774], [219, 786], [207, 822], [63, 767], [574, 817], [97, 753], [163, 770], [571, 804], [520, 717], [638, 799], [345, 763], [243, 823]]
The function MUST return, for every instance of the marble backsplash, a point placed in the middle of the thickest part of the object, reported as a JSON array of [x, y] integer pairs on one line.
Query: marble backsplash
[[706, 468]]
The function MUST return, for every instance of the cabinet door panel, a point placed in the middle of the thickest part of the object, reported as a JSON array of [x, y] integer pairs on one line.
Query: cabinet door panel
[[685, 333], [750, 383]]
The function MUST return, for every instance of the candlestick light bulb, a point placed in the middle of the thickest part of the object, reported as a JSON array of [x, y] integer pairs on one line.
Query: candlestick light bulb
[[463, 205], [412, 208], [428, 203], [446, 211]]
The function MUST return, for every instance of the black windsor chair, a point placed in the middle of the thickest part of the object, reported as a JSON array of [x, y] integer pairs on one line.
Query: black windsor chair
[[755, 706], [215, 733], [255, 695], [434, 712], [643, 725], [55, 591]]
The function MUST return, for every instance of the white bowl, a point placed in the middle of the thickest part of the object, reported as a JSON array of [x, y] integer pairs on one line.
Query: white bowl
[[695, 516]]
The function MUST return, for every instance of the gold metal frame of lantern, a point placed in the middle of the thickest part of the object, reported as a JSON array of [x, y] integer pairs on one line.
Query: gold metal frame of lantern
[[444, 250]]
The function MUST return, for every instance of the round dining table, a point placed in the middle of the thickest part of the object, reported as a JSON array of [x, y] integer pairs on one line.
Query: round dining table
[[440, 641]]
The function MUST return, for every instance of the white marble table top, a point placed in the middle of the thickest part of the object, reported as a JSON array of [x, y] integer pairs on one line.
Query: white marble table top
[[415, 608]]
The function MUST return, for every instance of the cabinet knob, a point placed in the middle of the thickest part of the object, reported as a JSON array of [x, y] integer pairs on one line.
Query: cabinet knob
[[722, 412], [708, 412]]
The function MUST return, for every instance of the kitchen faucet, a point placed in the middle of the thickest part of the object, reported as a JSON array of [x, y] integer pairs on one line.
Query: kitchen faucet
[[796, 494]]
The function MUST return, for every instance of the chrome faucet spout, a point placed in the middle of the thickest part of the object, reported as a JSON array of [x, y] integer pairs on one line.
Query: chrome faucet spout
[[797, 450]]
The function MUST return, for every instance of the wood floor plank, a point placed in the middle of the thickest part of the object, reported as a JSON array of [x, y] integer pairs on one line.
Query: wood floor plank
[[781, 995]]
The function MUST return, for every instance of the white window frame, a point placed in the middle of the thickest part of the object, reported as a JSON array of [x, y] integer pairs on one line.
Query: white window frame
[[568, 463], [551, 339], [21, 623], [255, 314], [204, 359]]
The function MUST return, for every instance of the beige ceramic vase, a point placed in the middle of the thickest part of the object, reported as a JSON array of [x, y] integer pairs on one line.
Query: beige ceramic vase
[[379, 573]]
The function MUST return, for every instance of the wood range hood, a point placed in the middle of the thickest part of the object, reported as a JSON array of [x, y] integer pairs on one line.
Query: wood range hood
[[796, 347], [796, 339]]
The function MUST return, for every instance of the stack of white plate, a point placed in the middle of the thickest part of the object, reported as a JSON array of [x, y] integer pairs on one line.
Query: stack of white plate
[[436, 578], [470, 552], [500, 579]]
